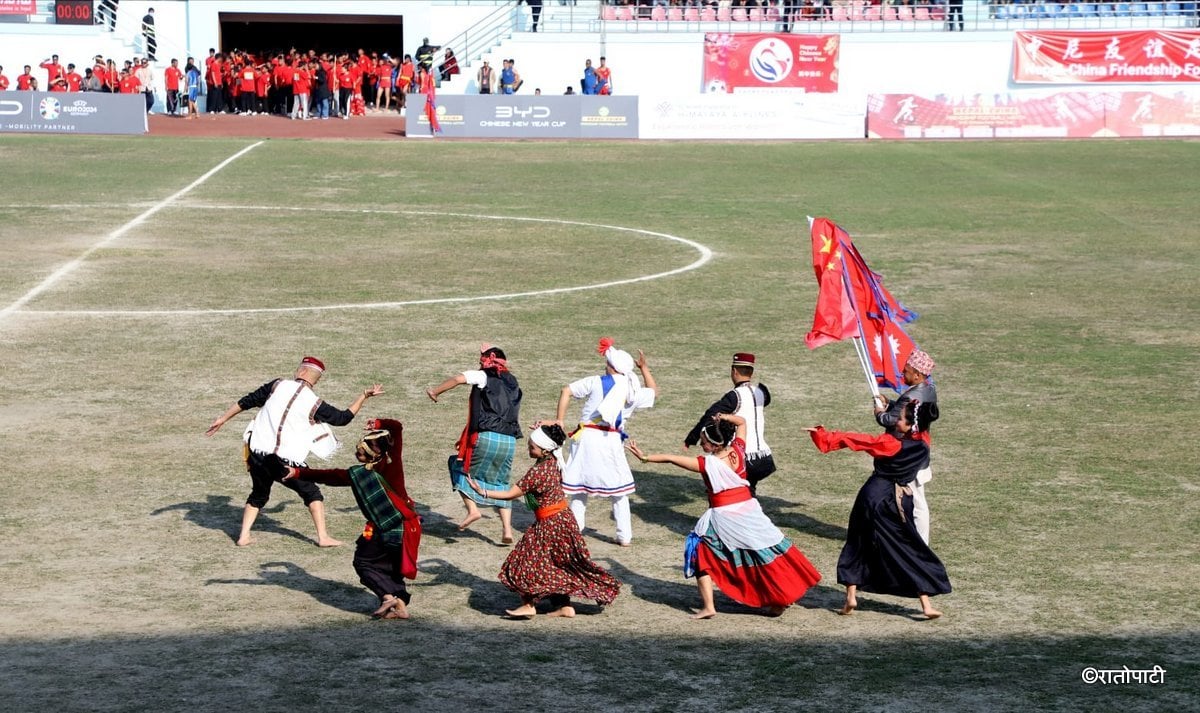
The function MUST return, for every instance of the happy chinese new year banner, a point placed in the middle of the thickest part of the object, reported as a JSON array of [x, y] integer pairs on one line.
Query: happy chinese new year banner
[[760, 62], [1077, 114], [1064, 57]]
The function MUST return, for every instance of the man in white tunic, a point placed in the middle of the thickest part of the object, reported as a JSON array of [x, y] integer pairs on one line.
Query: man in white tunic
[[289, 424], [597, 464]]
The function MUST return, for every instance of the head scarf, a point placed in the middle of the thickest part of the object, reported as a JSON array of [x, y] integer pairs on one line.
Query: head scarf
[[543, 440], [375, 445], [492, 361]]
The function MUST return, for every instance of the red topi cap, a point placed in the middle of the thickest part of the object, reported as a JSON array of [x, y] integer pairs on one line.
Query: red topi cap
[[312, 363], [743, 359]]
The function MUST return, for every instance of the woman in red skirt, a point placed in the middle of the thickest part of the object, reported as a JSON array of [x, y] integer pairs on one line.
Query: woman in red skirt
[[734, 544]]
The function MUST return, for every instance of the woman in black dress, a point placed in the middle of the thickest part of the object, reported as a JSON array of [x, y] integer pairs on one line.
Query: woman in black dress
[[883, 552]]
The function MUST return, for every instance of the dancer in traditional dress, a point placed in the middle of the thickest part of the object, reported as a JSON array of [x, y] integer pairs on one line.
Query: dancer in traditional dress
[[287, 427], [489, 440], [734, 544], [386, 552], [747, 400], [884, 553], [887, 413], [597, 464], [551, 560]]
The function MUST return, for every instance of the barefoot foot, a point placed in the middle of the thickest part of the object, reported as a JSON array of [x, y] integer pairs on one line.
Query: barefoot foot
[[523, 612], [567, 612], [849, 607], [329, 542], [506, 540], [470, 518], [385, 606], [244, 541], [703, 614], [931, 613], [399, 611]]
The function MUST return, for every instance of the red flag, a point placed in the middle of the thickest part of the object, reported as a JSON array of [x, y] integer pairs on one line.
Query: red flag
[[427, 87], [852, 302]]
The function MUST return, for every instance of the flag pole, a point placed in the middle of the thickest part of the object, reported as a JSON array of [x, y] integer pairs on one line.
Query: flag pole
[[865, 361]]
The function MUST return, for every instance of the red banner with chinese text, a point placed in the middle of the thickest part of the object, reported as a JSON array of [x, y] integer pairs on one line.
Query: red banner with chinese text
[[18, 7], [1136, 56], [1078, 114], [763, 62]]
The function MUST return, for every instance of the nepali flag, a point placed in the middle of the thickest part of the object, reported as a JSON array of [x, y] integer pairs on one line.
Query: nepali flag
[[852, 302]]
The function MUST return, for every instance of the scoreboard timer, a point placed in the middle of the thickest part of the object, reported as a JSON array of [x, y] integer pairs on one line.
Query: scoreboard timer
[[74, 12]]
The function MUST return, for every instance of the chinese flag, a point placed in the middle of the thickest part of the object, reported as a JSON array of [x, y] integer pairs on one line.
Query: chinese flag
[[852, 302]]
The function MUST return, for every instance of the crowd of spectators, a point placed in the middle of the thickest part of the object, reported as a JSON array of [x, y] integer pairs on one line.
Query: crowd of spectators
[[298, 84], [788, 11]]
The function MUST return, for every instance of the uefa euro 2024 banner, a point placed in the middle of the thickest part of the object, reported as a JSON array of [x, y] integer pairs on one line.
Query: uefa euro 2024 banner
[[72, 113], [760, 62], [1133, 56]]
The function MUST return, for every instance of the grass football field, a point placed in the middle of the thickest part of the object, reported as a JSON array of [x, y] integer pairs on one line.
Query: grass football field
[[148, 283]]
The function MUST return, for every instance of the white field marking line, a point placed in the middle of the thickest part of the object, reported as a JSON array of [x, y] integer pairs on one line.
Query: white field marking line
[[705, 256], [108, 239]]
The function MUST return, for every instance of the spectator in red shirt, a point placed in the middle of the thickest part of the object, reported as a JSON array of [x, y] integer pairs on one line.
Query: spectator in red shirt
[[25, 81], [3, 81], [74, 79], [171, 78], [262, 82], [53, 69], [383, 91], [301, 85], [129, 84]]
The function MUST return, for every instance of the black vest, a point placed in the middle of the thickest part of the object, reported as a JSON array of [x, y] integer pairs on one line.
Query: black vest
[[496, 407]]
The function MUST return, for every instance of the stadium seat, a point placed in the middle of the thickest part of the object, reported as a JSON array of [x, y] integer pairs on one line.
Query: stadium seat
[[675, 14], [772, 13], [904, 12], [839, 13], [723, 14], [756, 14], [871, 13], [1104, 9], [1139, 9], [921, 13], [707, 14], [1173, 8], [937, 12], [1083, 9], [1155, 8], [624, 13], [658, 14], [1120, 9], [739, 14], [691, 14], [856, 10], [889, 12], [608, 12]]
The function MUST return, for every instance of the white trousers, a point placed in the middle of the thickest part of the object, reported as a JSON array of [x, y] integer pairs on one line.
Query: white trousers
[[620, 513], [920, 504]]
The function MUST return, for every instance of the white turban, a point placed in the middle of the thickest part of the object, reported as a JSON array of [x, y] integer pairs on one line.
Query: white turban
[[624, 388]]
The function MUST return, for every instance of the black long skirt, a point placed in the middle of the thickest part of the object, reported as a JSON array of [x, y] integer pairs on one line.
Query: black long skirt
[[883, 554]]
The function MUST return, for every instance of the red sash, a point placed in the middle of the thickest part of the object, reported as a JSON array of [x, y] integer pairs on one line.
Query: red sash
[[729, 497], [549, 510]]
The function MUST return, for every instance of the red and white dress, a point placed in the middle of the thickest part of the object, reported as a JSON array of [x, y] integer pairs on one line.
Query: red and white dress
[[735, 543]]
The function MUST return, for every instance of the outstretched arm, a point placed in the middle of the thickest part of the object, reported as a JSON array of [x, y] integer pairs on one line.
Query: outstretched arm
[[331, 476], [511, 494], [691, 463], [882, 444], [222, 419], [445, 386]]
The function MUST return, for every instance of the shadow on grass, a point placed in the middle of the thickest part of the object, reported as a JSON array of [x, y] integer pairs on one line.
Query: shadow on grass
[[220, 514], [330, 592], [529, 666]]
